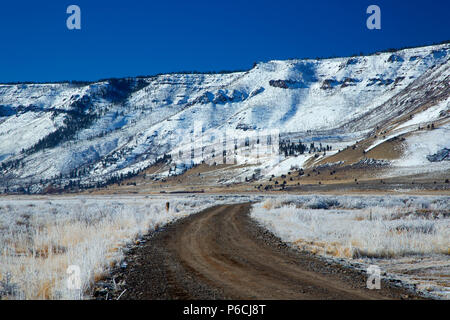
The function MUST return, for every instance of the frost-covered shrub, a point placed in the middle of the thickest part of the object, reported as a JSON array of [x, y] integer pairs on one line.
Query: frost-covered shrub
[[323, 203]]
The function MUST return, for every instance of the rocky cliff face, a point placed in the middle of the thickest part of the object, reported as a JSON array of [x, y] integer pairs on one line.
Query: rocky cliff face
[[90, 132]]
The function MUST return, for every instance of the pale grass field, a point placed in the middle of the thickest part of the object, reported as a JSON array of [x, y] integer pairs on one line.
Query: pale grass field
[[40, 238], [408, 236]]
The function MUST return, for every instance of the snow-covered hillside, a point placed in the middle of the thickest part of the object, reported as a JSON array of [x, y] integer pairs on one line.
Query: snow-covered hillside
[[89, 133]]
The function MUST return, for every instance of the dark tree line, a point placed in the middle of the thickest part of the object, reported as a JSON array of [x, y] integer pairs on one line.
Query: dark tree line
[[295, 148]]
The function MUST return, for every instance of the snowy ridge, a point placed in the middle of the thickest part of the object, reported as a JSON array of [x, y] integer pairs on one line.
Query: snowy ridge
[[92, 132]]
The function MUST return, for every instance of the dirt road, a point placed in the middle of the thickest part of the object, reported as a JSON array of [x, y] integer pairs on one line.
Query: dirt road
[[221, 253]]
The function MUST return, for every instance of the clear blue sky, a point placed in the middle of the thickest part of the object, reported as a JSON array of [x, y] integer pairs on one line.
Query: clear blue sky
[[131, 37]]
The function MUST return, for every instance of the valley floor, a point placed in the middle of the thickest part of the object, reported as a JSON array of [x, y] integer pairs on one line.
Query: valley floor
[[207, 245], [221, 253]]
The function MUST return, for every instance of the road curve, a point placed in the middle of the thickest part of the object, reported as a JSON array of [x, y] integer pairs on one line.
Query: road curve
[[221, 253]]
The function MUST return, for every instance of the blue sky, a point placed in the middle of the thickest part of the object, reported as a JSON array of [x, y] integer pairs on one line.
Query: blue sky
[[130, 38]]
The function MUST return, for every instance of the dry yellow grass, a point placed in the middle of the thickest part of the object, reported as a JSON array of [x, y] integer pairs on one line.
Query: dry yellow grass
[[334, 249], [267, 205], [45, 290]]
